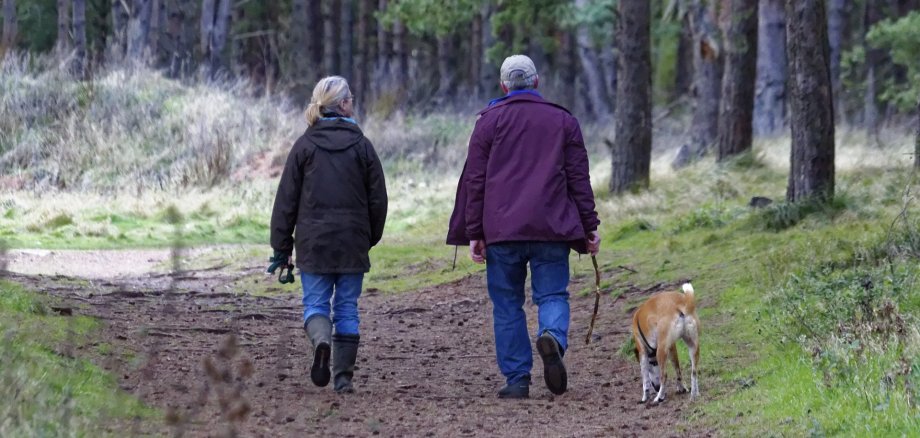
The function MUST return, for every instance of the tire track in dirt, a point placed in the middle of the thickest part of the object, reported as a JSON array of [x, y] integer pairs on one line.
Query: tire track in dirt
[[426, 364]]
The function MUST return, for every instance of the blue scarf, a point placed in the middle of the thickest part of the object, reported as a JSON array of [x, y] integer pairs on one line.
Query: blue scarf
[[337, 116], [514, 93]]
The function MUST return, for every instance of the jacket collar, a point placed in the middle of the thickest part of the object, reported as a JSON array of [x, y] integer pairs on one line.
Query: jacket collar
[[515, 97]]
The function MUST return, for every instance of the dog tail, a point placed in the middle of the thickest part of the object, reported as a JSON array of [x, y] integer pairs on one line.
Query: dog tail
[[687, 288]]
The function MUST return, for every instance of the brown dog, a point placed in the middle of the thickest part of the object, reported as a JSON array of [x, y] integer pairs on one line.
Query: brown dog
[[657, 325]]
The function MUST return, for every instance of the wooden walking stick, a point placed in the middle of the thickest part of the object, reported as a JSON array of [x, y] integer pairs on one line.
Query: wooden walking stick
[[597, 297]]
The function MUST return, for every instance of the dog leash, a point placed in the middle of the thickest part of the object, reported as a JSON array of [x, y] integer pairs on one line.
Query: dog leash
[[649, 351], [597, 297]]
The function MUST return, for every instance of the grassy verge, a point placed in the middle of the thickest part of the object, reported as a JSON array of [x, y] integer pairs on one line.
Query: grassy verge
[[45, 390]]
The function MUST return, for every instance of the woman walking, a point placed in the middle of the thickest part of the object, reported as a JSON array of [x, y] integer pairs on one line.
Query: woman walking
[[332, 198]]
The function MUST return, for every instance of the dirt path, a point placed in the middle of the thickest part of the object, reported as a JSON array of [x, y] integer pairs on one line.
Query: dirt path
[[216, 361]]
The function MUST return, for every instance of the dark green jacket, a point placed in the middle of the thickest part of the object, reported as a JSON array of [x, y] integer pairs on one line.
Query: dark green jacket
[[332, 198]]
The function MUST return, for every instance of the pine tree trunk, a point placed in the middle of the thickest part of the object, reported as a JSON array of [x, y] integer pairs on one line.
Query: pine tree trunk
[[346, 55], [315, 40], [330, 36], [300, 51], [118, 38], [139, 28], [770, 97], [445, 72], [476, 55], [591, 69], [8, 40], [837, 19], [631, 154], [62, 45], [917, 140], [157, 26], [736, 110], [488, 72], [608, 59], [219, 37], [400, 55], [78, 13], [811, 175], [684, 77], [568, 69], [874, 59], [707, 77], [362, 56], [175, 19], [207, 32], [382, 76]]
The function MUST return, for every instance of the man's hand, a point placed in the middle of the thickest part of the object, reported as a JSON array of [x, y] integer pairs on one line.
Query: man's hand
[[594, 242], [478, 251]]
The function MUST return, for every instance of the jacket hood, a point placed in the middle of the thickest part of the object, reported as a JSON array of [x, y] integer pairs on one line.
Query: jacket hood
[[334, 135]]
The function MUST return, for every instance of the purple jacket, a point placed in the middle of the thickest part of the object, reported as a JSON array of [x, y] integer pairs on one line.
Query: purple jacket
[[525, 177]]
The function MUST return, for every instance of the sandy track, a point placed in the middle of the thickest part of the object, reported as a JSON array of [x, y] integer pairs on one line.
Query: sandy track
[[218, 361]]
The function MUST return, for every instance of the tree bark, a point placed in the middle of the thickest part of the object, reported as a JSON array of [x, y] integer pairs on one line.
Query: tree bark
[[874, 59], [362, 59], [476, 54], [737, 105], [707, 77], [811, 174], [917, 140], [219, 37], [591, 69], [632, 149], [62, 44], [330, 36], [78, 13], [770, 97], [837, 19], [10, 26], [400, 54], [445, 72], [382, 77], [684, 77], [346, 55], [300, 37], [175, 22], [207, 30], [315, 40], [488, 72], [139, 28]]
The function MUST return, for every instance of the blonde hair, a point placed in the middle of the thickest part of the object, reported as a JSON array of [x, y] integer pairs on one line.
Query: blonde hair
[[328, 95]]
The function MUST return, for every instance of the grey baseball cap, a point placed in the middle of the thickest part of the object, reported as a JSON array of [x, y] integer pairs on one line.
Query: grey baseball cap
[[521, 63]]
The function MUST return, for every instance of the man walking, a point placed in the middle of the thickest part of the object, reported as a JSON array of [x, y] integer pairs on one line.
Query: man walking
[[525, 197]]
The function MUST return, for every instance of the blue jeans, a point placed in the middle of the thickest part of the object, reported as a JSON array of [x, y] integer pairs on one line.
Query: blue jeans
[[506, 271], [318, 291]]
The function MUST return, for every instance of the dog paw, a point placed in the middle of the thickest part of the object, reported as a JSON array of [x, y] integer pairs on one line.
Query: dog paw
[[681, 390], [657, 401]]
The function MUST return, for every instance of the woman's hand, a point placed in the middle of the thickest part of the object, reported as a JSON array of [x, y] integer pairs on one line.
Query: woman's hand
[[478, 251]]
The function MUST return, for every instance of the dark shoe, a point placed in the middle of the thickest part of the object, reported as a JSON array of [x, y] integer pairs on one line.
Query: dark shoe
[[553, 369], [519, 389], [319, 330], [344, 355]]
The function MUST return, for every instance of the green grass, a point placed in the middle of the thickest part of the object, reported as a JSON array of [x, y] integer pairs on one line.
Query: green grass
[[763, 277], [45, 391]]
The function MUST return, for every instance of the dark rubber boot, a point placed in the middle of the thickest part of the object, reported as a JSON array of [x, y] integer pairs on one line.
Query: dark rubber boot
[[344, 355], [519, 389], [319, 330], [553, 369]]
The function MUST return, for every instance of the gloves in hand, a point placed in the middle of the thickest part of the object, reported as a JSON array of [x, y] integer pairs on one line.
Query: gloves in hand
[[282, 260]]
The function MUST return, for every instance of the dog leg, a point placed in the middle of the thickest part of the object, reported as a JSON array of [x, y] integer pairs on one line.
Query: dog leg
[[694, 360], [662, 357], [676, 361], [643, 368]]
